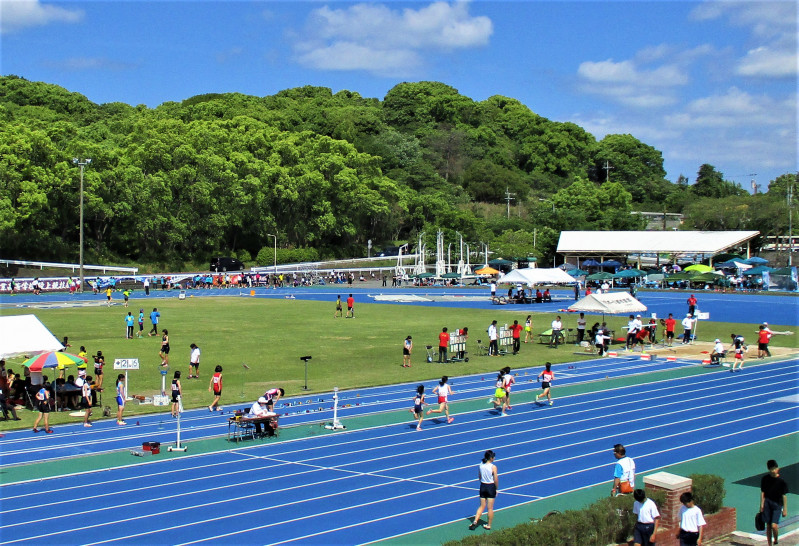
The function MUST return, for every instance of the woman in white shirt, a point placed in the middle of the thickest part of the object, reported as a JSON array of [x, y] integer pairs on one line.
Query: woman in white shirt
[[489, 482]]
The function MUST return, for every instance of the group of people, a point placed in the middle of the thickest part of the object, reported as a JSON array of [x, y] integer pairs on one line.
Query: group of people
[[339, 312]]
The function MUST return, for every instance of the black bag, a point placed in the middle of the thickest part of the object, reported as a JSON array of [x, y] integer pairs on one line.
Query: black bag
[[760, 524]]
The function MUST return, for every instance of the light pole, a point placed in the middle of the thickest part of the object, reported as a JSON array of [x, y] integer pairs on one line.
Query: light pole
[[81, 164], [790, 224], [275, 238]]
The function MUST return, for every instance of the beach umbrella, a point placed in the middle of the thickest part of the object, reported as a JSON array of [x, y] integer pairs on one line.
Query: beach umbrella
[[759, 270], [486, 271], [611, 263], [701, 268], [590, 263], [755, 260], [629, 274], [52, 360], [577, 272], [452, 275]]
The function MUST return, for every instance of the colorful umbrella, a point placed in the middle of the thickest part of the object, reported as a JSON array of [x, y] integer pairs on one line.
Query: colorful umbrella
[[52, 360], [487, 271], [701, 268]]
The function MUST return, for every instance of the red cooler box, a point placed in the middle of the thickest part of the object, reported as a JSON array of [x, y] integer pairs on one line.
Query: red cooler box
[[154, 447]]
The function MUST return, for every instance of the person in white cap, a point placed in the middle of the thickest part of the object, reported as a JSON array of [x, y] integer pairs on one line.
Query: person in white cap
[[258, 409], [687, 326], [718, 352]]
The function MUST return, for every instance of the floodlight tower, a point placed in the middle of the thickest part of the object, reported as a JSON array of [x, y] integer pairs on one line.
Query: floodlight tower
[[81, 163]]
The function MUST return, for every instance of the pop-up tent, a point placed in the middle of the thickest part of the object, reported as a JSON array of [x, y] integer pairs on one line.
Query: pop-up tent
[[25, 335], [536, 275], [609, 303]]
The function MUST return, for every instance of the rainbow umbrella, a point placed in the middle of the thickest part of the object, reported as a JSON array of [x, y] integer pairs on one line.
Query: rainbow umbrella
[[52, 360]]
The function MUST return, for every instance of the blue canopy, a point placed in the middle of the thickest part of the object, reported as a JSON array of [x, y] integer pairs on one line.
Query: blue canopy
[[759, 270], [590, 263], [755, 260], [629, 274], [610, 263]]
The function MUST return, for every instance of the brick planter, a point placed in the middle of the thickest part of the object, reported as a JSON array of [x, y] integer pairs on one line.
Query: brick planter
[[719, 524]]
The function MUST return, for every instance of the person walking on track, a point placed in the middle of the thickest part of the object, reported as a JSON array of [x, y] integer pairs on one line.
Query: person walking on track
[[489, 483]]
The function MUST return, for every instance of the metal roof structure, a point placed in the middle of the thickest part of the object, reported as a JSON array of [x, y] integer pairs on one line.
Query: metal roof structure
[[678, 243]]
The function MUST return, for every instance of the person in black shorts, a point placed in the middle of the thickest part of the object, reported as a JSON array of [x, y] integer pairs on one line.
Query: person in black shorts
[[773, 500], [176, 392], [43, 405], [489, 482]]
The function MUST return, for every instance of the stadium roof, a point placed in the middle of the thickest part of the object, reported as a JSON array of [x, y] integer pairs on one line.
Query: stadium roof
[[594, 243]]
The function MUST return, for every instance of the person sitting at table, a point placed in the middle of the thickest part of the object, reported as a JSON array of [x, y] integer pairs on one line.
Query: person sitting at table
[[547, 295], [718, 352], [259, 410], [6, 406], [539, 297]]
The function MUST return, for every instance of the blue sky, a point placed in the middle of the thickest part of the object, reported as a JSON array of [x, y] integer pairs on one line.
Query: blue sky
[[703, 82]]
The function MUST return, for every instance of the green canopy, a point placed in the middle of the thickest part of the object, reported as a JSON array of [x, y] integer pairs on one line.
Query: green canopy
[[451, 276], [500, 261], [577, 272], [701, 268], [601, 276], [629, 274], [706, 277], [424, 275], [681, 276]]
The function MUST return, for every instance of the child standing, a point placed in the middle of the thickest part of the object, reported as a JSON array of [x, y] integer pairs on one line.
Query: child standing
[[443, 390], [141, 323], [43, 401], [121, 395], [691, 521], [407, 348], [546, 377], [176, 393], [215, 386], [164, 352], [418, 403], [648, 519]]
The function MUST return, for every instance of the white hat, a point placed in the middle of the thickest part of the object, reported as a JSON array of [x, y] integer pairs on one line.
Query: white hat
[[718, 340], [262, 400], [637, 316], [765, 324]]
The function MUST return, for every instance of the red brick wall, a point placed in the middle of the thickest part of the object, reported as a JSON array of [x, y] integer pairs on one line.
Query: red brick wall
[[719, 524]]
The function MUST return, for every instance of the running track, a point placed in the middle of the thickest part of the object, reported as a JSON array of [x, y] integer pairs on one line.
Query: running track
[[372, 484]]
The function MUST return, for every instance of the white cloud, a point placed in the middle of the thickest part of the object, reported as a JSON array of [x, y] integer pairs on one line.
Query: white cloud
[[376, 38], [773, 26], [627, 83], [738, 109], [18, 14], [763, 61]]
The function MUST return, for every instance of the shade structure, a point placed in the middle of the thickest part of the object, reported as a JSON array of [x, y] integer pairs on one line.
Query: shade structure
[[25, 335], [610, 303], [451, 276], [611, 263], [538, 275], [734, 264], [708, 276], [701, 268], [629, 274], [682, 276], [425, 275], [601, 276], [755, 260], [500, 261], [759, 270], [486, 271], [590, 263], [52, 359], [577, 273]]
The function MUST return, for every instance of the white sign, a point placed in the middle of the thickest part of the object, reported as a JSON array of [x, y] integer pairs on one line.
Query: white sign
[[126, 364], [703, 316]]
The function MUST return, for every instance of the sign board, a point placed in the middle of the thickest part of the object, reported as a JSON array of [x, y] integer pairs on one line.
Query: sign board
[[126, 364], [703, 316]]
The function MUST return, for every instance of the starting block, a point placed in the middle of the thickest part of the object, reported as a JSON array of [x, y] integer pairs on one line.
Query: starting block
[[671, 359], [613, 353], [706, 361]]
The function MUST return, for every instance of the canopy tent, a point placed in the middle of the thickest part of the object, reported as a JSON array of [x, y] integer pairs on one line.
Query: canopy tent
[[601, 276], [629, 274], [452, 275], [533, 276], [499, 262], [486, 271], [701, 268], [590, 263], [682, 276], [577, 272], [425, 275], [734, 264], [707, 276], [759, 270], [611, 263], [755, 260], [609, 303], [25, 335]]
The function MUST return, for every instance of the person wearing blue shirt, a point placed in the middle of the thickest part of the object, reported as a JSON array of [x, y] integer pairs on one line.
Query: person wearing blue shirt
[[129, 320], [154, 319]]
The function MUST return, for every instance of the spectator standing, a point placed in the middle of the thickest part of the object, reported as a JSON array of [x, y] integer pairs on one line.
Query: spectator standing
[[692, 522], [581, 324], [121, 396], [623, 472], [633, 327], [670, 324], [443, 343], [407, 349], [489, 482], [687, 328], [215, 387], [164, 352], [493, 289], [350, 306], [516, 332], [99, 362], [108, 292], [493, 337], [6, 406], [177, 391], [146, 283], [528, 328], [648, 519], [773, 500], [129, 321], [154, 317], [691, 304], [194, 361], [43, 402]]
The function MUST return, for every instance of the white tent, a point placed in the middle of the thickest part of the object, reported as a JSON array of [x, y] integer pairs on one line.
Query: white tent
[[25, 335], [535, 275], [611, 303]]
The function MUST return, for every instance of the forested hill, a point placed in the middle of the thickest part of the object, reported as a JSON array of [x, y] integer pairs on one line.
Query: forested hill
[[325, 172]]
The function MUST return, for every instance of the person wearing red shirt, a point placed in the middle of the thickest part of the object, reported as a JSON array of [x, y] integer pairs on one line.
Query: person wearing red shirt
[[350, 305], [443, 344], [516, 330], [215, 387], [692, 304], [670, 323], [763, 337]]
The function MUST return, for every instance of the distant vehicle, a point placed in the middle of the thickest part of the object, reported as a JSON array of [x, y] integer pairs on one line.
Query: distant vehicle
[[226, 264]]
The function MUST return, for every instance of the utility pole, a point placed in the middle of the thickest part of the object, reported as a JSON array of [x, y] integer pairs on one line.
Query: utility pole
[[81, 164], [790, 223], [509, 197], [607, 171]]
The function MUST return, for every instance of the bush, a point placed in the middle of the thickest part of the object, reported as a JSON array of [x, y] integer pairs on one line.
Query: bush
[[708, 491], [266, 256], [244, 255]]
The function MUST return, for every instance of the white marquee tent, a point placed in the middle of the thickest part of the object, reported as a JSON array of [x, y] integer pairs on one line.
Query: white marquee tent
[[609, 303], [535, 275], [25, 335]]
